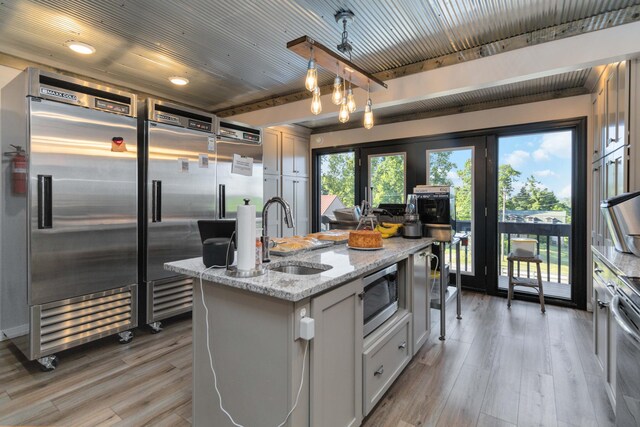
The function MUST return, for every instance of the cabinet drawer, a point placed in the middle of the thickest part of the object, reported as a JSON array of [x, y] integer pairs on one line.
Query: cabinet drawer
[[384, 360]]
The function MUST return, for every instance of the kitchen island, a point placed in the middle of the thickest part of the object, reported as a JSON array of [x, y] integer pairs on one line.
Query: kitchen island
[[248, 329]]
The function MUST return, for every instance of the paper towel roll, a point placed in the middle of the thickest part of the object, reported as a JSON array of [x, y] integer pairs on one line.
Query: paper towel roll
[[246, 235]]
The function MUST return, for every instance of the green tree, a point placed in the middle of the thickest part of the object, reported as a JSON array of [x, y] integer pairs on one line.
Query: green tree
[[440, 165], [338, 176], [533, 196], [507, 177], [387, 179], [463, 192]]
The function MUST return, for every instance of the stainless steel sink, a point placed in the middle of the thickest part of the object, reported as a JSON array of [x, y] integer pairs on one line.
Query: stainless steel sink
[[291, 268]]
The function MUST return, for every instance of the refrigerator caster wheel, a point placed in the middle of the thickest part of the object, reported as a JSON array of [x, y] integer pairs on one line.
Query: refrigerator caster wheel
[[125, 337], [155, 327], [48, 363]]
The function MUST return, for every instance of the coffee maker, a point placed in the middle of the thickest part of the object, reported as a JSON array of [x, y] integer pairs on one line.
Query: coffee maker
[[437, 211]]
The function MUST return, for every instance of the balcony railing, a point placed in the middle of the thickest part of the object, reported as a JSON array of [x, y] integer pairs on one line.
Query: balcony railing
[[553, 246]]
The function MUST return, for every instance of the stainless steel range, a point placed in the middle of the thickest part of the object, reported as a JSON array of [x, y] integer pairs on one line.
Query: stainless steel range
[[69, 270], [625, 307]]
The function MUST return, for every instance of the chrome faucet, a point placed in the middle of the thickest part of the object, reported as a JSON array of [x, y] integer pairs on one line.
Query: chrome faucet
[[288, 219]]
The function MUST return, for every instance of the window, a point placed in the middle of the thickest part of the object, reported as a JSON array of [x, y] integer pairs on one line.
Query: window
[[337, 184], [387, 178]]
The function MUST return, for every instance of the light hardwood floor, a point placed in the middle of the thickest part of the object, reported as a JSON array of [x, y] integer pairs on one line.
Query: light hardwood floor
[[497, 368]]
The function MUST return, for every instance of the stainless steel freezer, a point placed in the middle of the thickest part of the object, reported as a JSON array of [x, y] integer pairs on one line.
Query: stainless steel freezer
[[178, 177], [237, 139], [69, 255]]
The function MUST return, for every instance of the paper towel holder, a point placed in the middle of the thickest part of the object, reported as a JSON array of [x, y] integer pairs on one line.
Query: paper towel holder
[[234, 272]]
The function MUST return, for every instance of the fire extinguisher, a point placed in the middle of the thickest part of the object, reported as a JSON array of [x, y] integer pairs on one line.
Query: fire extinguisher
[[19, 171]]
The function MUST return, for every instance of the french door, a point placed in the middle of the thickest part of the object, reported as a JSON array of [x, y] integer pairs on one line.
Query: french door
[[462, 164]]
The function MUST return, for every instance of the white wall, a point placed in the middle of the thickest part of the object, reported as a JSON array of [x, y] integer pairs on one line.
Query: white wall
[[6, 75], [564, 108]]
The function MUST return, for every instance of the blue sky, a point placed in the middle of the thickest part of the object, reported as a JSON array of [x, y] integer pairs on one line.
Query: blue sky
[[546, 156]]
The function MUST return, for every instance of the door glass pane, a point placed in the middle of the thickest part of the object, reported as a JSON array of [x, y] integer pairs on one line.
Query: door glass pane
[[387, 178], [337, 190], [534, 201], [455, 168]]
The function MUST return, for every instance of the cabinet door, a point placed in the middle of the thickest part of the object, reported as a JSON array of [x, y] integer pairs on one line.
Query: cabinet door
[[611, 95], [301, 205], [336, 357], [296, 192], [595, 128], [420, 298], [288, 155], [623, 103], [611, 356], [288, 194], [615, 176], [301, 156], [271, 151], [597, 219], [272, 189], [600, 326]]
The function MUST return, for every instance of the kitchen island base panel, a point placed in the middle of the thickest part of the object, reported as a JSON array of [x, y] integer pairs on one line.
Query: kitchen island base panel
[[257, 363]]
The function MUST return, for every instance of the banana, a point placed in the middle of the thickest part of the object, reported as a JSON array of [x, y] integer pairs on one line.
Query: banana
[[391, 225]]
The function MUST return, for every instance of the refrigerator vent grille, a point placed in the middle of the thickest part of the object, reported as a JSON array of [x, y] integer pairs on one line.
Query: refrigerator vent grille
[[170, 299], [84, 321]]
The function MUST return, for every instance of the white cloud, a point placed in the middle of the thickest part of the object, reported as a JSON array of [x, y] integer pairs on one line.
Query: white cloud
[[565, 192], [517, 158], [544, 173], [555, 144], [540, 155]]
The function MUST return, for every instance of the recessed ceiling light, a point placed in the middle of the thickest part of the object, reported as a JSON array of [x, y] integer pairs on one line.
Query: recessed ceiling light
[[82, 48], [180, 81]]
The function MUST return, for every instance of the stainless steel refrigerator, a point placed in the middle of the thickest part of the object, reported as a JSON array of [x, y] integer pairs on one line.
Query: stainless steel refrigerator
[[239, 169], [178, 188], [187, 173], [69, 234]]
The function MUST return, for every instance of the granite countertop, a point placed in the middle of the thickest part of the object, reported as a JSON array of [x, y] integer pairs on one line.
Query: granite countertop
[[346, 264], [627, 265]]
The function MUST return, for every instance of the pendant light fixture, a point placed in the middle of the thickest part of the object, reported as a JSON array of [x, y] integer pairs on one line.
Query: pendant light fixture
[[311, 82], [341, 94], [343, 115], [336, 95], [316, 104], [368, 113]]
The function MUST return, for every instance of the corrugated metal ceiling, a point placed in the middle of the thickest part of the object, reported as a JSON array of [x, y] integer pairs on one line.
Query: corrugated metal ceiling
[[234, 52]]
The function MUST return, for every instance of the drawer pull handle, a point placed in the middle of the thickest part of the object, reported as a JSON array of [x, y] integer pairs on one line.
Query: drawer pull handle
[[402, 346], [603, 304], [380, 371]]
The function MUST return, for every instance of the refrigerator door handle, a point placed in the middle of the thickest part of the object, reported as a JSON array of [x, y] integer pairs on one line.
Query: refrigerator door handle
[[156, 201], [45, 201], [222, 200]]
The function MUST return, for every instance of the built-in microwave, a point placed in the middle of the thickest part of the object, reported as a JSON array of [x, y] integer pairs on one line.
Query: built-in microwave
[[380, 297]]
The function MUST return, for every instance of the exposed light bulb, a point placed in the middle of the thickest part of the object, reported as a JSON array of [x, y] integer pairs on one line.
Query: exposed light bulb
[[351, 100], [368, 115], [336, 96], [316, 104], [311, 82], [343, 115]]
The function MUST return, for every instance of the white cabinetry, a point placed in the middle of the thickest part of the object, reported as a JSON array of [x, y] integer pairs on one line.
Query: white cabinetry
[[336, 357], [272, 185], [296, 191], [295, 155], [286, 174], [604, 325]]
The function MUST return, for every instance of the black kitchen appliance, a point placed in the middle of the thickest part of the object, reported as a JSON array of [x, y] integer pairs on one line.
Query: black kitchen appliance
[[218, 252], [437, 211]]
